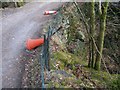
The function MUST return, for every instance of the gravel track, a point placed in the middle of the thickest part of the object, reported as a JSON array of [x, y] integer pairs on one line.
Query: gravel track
[[26, 22]]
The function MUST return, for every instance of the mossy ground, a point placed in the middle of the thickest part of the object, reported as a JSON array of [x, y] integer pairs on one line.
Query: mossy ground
[[81, 75]]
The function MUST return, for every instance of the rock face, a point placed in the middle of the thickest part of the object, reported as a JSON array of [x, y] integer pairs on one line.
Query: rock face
[[13, 4], [80, 36], [7, 4]]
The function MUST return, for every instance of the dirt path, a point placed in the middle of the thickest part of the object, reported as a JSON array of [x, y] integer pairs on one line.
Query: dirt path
[[16, 28]]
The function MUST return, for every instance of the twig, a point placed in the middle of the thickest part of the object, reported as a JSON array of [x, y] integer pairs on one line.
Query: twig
[[83, 18], [101, 56], [89, 79]]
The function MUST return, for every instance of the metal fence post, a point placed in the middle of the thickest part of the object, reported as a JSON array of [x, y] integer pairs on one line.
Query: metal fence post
[[45, 55], [48, 58], [42, 67]]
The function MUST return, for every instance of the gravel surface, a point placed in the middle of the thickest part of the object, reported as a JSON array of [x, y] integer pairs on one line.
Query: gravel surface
[[25, 22]]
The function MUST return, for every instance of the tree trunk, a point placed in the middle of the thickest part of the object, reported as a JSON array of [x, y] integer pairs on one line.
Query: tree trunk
[[92, 31], [101, 36], [89, 62], [16, 4]]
